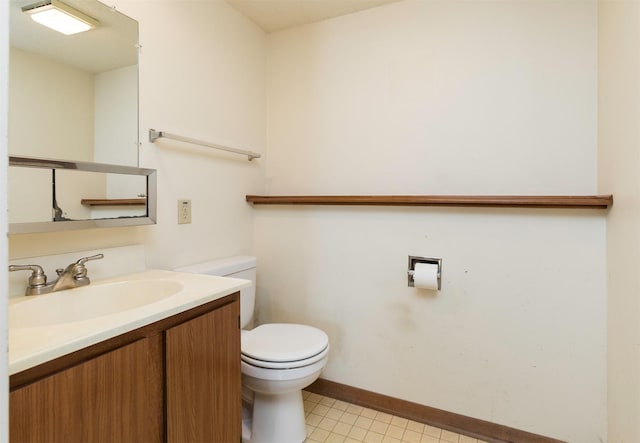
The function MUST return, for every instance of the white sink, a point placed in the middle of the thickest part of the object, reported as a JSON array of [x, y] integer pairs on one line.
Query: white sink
[[90, 302], [45, 327]]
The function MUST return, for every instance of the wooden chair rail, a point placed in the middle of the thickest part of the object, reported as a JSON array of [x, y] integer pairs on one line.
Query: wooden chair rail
[[508, 201]]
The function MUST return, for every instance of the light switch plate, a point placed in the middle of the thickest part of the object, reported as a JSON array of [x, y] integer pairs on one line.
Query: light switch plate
[[184, 211]]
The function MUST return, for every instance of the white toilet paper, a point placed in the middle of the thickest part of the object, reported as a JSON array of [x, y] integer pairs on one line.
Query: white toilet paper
[[425, 276]]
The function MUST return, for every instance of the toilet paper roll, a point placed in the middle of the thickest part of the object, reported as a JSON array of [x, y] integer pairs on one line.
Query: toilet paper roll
[[425, 276]]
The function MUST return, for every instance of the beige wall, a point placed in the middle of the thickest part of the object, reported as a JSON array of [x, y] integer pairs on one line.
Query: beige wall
[[619, 173], [442, 98]]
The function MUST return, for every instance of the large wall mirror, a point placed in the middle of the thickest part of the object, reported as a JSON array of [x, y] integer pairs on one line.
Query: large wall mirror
[[73, 98]]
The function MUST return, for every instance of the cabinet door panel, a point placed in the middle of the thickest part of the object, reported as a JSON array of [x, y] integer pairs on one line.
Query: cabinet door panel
[[203, 385], [116, 397]]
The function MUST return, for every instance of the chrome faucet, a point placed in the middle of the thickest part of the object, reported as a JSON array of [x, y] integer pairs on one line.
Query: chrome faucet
[[72, 276]]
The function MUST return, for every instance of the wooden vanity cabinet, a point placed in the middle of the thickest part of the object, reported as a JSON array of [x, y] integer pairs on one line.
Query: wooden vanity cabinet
[[176, 380], [115, 397]]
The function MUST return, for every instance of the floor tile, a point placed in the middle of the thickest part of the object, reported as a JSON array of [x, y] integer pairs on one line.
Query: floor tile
[[327, 424], [313, 419], [383, 417], [319, 435], [335, 438], [348, 417], [431, 431], [379, 427], [364, 422], [415, 426], [373, 437], [342, 429], [320, 410], [341, 405], [395, 432], [410, 436], [355, 409], [327, 401], [450, 437], [334, 414], [310, 429], [399, 422], [357, 433], [369, 413], [334, 421]]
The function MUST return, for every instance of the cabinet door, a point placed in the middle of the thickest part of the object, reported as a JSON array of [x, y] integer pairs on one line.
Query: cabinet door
[[116, 397], [203, 384]]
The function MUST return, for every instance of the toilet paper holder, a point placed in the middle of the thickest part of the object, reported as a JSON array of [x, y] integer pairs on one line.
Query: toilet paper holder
[[412, 266]]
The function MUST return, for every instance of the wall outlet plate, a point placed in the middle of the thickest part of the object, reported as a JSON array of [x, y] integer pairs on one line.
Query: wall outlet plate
[[184, 211]]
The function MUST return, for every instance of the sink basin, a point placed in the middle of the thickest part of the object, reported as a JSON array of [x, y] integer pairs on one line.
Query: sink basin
[[89, 302]]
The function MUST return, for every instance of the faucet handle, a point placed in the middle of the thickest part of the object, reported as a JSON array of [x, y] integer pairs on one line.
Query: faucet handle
[[79, 270], [38, 277], [83, 260]]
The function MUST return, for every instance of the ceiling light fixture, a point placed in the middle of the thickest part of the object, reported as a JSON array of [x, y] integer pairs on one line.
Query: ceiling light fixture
[[60, 17]]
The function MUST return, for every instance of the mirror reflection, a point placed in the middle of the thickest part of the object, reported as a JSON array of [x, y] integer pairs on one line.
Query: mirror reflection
[[83, 195], [77, 195], [74, 97]]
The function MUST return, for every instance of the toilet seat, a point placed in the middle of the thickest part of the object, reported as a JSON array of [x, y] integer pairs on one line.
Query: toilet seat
[[284, 346], [285, 364], [284, 376]]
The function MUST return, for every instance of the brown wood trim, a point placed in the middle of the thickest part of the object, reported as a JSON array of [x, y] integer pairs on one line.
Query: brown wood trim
[[114, 201], [461, 424], [46, 369], [509, 201]]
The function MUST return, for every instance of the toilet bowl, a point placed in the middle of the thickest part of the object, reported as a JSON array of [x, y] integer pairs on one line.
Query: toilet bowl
[[278, 360]]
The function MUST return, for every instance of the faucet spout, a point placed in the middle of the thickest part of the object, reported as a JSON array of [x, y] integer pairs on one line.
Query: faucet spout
[[73, 276]]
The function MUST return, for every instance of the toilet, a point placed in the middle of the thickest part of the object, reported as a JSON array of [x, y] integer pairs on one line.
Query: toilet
[[278, 360]]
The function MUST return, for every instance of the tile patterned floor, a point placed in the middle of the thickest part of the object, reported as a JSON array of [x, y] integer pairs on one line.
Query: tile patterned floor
[[334, 421]]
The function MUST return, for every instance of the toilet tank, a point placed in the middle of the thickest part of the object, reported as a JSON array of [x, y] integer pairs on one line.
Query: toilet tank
[[244, 267]]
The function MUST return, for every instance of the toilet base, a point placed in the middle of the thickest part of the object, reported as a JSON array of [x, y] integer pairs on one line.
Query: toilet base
[[247, 419], [278, 418]]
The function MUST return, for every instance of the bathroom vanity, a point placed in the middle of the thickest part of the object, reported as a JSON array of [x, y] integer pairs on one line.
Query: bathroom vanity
[[174, 379]]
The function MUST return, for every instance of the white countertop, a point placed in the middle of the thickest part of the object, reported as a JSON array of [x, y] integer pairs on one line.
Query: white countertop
[[36, 344]]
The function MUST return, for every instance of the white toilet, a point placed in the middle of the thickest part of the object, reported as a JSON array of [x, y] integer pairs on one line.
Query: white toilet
[[278, 361]]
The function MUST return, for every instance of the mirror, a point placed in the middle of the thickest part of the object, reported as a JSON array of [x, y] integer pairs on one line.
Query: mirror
[[74, 98], [78, 195]]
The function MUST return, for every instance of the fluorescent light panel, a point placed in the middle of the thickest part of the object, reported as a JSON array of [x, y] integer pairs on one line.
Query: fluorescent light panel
[[60, 17]]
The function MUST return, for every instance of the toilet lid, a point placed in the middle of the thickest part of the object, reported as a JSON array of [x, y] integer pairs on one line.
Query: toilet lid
[[283, 342]]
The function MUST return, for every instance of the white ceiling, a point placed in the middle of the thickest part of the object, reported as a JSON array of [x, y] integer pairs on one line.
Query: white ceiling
[[111, 45], [275, 15]]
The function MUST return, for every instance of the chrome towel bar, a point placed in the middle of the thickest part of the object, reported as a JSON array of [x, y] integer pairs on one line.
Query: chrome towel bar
[[155, 135]]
